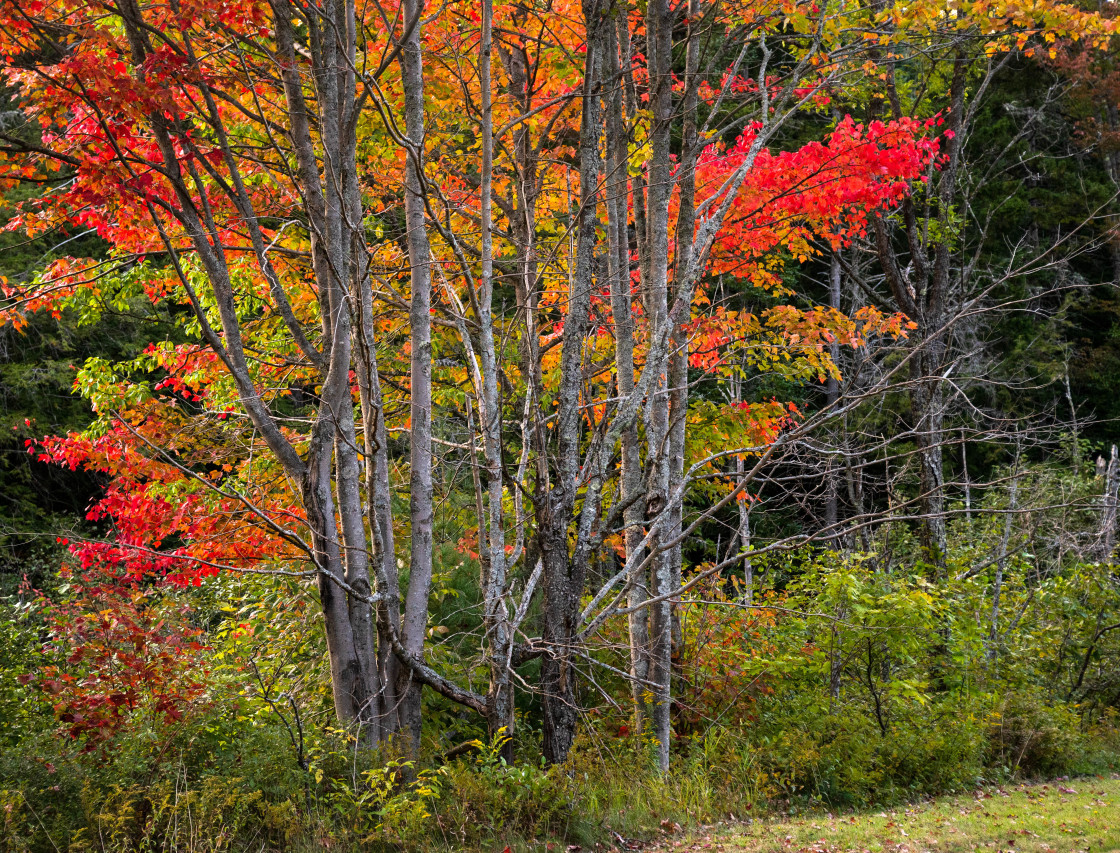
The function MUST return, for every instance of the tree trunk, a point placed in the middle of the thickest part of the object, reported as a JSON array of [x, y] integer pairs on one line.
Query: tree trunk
[[678, 346], [743, 533], [349, 671], [563, 576], [659, 51], [499, 697], [1001, 562], [414, 621], [618, 265], [927, 402], [832, 394], [1108, 507], [562, 592]]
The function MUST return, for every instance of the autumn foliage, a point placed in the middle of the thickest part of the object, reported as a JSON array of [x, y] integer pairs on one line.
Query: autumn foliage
[[496, 275]]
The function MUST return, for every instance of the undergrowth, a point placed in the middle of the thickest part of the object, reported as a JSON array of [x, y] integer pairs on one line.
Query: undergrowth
[[188, 796]]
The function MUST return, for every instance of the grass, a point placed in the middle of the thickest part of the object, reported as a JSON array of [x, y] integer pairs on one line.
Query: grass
[[1059, 817]]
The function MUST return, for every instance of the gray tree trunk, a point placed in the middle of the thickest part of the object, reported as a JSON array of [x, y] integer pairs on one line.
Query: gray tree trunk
[[832, 394], [563, 576], [495, 618], [618, 265], [414, 621], [659, 25]]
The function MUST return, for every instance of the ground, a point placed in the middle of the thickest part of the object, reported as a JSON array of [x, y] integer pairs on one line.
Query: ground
[[1058, 817]]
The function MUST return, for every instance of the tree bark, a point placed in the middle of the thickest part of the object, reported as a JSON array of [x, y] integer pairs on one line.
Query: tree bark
[[414, 620], [630, 474], [659, 25], [563, 576], [496, 618], [832, 394]]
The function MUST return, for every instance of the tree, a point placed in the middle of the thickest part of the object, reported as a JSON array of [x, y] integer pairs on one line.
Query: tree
[[924, 254], [331, 195]]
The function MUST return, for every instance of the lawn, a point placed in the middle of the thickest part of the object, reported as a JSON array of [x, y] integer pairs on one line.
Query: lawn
[[1059, 817]]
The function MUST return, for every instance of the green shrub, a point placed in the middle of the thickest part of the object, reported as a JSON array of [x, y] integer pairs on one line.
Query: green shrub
[[389, 802], [1030, 737], [220, 814], [484, 795], [15, 823], [843, 758]]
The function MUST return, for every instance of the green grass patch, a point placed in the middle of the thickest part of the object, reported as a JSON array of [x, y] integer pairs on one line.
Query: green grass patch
[[1057, 817]]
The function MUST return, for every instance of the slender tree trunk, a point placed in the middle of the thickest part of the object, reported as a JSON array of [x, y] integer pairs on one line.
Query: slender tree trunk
[[1109, 506], [563, 576], [659, 52], [1001, 563], [854, 481], [743, 533], [618, 265], [499, 697], [376, 468], [835, 660], [678, 345], [921, 290], [348, 687], [927, 402], [414, 621], [832, 394], [1075, 450], [966, 480]]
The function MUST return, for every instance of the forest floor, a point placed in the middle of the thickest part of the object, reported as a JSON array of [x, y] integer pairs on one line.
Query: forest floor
[[1057, 817]]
